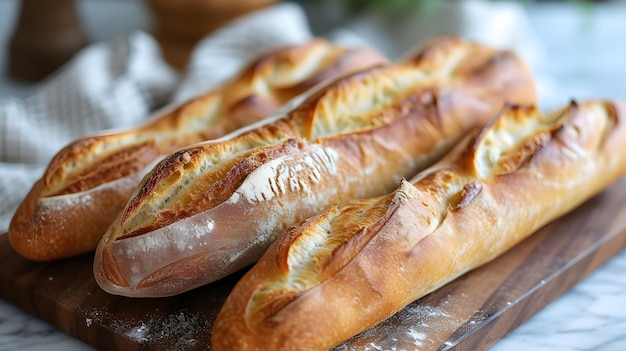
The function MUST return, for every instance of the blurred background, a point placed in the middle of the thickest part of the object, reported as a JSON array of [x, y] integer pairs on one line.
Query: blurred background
[[576, 48]]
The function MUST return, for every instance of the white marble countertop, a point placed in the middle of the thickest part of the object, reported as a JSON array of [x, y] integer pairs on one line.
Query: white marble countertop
[[585, 57]]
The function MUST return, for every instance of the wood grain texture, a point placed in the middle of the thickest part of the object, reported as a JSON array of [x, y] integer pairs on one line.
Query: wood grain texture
[[473, 312]]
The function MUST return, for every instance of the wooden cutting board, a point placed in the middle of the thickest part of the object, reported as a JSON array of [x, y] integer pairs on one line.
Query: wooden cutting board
[[471, 313]]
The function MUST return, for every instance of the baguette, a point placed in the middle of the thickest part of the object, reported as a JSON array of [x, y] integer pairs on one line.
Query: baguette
[[213, 208], [88, 183], [352, 267]]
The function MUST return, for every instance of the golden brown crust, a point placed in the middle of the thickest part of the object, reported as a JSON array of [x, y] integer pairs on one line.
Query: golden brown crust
[[213, 208], [351, 267], [96, 175]]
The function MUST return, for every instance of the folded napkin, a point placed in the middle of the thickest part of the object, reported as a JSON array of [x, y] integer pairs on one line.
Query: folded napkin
[[117, 85]]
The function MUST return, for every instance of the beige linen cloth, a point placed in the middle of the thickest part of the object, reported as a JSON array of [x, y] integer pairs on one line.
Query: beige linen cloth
[[118, 84]]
